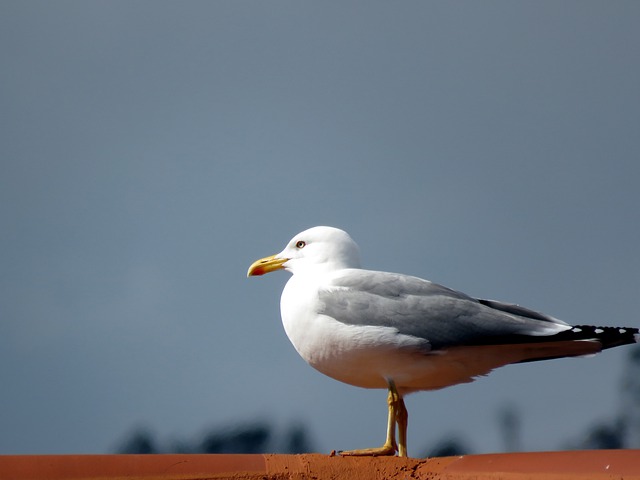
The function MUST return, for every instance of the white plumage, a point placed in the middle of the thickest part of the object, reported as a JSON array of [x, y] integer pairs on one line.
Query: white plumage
[[385, 330]]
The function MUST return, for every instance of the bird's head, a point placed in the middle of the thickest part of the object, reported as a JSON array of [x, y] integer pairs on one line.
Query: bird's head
[[318, 249]]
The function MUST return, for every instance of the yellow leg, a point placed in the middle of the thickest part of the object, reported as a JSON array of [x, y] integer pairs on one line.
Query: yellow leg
[[397, 414], [402, 419]]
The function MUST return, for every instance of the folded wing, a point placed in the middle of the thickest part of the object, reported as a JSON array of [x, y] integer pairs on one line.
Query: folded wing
[[446, 319]]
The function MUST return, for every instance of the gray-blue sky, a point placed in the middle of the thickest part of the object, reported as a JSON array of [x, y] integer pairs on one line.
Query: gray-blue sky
[[150, 151]]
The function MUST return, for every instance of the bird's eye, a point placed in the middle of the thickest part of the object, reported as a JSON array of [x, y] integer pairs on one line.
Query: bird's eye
[[300, 244]]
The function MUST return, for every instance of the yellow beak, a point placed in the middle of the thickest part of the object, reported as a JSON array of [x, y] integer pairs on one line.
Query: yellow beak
[[266, 265]]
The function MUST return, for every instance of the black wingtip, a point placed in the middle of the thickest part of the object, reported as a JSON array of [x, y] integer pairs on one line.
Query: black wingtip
[[609, 337]]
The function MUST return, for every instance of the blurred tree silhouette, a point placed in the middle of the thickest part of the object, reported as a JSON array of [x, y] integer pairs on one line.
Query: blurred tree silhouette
[[253, 438], [256, 437], [296, 440], [631, 398], [604, 435], [448, 447], [623, 429], [509, 423], [139, 442]]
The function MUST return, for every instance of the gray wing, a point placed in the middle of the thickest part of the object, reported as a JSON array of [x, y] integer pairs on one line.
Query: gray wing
[[443, 317]]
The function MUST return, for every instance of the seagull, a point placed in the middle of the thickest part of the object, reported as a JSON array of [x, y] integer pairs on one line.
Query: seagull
[[374, 329]]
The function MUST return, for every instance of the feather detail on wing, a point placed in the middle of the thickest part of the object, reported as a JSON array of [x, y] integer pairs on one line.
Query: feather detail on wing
[[446, 318]]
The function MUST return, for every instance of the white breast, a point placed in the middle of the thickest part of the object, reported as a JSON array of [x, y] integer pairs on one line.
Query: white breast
[[364, 356]]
